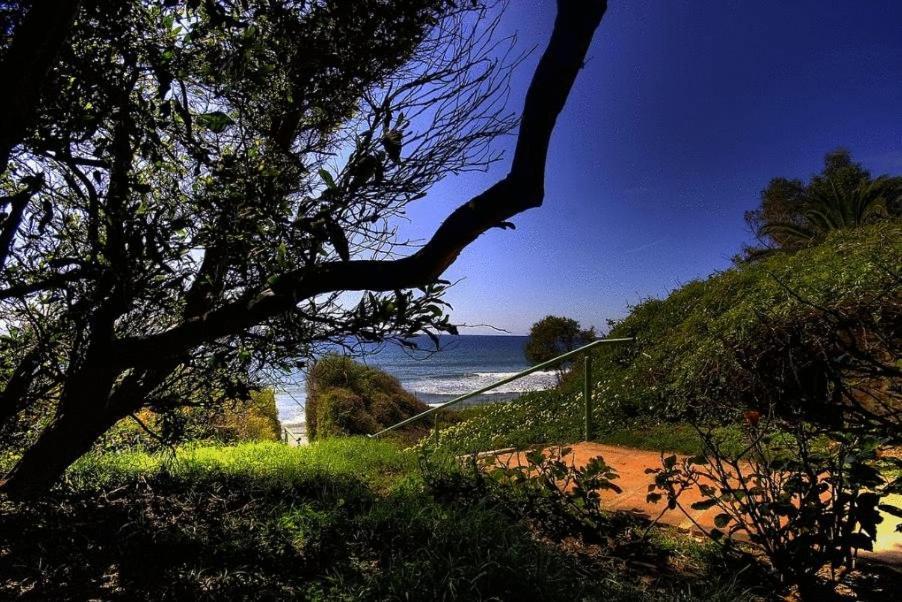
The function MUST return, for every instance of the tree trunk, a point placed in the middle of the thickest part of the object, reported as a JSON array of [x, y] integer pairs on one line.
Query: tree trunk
[[86, 411], [64, 441]]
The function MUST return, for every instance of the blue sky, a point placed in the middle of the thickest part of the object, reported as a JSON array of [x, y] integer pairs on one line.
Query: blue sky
[[684, 112]]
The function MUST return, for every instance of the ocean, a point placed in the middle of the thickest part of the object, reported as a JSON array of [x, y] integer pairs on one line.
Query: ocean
[[463, 363]]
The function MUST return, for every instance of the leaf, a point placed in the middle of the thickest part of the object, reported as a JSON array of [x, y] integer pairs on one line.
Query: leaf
[[704, 504], [327, 178], [861, 541], [722, 520], [670, 461], [391, 142], [653, 498], [889, 509], [216, 122], [339, 240]]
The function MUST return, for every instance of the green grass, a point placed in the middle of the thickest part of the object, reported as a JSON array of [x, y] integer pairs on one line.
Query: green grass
[[267, 464], [676, 437]]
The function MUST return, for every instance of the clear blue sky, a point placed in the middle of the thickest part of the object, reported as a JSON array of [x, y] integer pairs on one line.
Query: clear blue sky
[[684, 112]]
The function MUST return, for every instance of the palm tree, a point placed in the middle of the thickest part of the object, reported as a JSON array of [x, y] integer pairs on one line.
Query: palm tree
[[832, 206]]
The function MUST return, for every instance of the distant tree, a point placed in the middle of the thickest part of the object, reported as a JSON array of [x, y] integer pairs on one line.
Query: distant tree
[[554, 335], [198, 193], [793, 214]]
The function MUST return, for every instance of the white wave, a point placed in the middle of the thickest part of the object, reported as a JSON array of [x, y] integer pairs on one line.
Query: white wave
[[537, 381]]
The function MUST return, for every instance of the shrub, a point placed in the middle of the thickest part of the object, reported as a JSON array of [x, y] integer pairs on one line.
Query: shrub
[[549, 484], [804, 498], [254, 420], [233, 421], [348, 398]]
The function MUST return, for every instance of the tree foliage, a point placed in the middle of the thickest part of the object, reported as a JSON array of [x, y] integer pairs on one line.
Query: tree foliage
[[205, 191], [794, 214], [554, 335]]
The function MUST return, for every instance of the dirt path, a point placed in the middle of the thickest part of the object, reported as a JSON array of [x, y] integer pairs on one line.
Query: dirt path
[[631, 465]]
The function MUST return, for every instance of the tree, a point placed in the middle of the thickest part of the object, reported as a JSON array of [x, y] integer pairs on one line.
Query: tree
[[793, 214], [554, 335], [210, 189]]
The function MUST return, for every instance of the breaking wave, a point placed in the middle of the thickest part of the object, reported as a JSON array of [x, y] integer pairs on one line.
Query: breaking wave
[[464, 383]]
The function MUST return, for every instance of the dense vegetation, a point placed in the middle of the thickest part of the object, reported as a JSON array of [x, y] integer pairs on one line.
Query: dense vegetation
[[346, 518], [345, 397], [719, 347], [232, 421], [235, 421]]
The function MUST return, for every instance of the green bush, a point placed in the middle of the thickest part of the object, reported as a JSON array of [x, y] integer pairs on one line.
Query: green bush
[[233, 421], [348, 398], [804, 499], [539, 417]]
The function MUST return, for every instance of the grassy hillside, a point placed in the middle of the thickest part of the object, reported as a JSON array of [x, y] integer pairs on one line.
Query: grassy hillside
[[713, 347]]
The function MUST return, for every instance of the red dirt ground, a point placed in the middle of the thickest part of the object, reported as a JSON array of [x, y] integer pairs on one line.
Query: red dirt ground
[[631, 464]]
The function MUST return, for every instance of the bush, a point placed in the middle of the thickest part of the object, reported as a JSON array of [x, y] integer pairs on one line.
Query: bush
[[805, 499], [254, 420], [348, 398], [233, 421]]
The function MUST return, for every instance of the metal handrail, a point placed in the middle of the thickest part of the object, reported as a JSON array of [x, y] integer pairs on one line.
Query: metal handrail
[[504, 381]]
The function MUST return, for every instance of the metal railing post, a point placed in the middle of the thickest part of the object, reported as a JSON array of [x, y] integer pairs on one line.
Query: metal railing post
[[587, 395]]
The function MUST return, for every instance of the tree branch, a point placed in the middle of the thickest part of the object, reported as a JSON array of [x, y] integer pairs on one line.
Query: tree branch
[[520, 190], [37, 41]]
